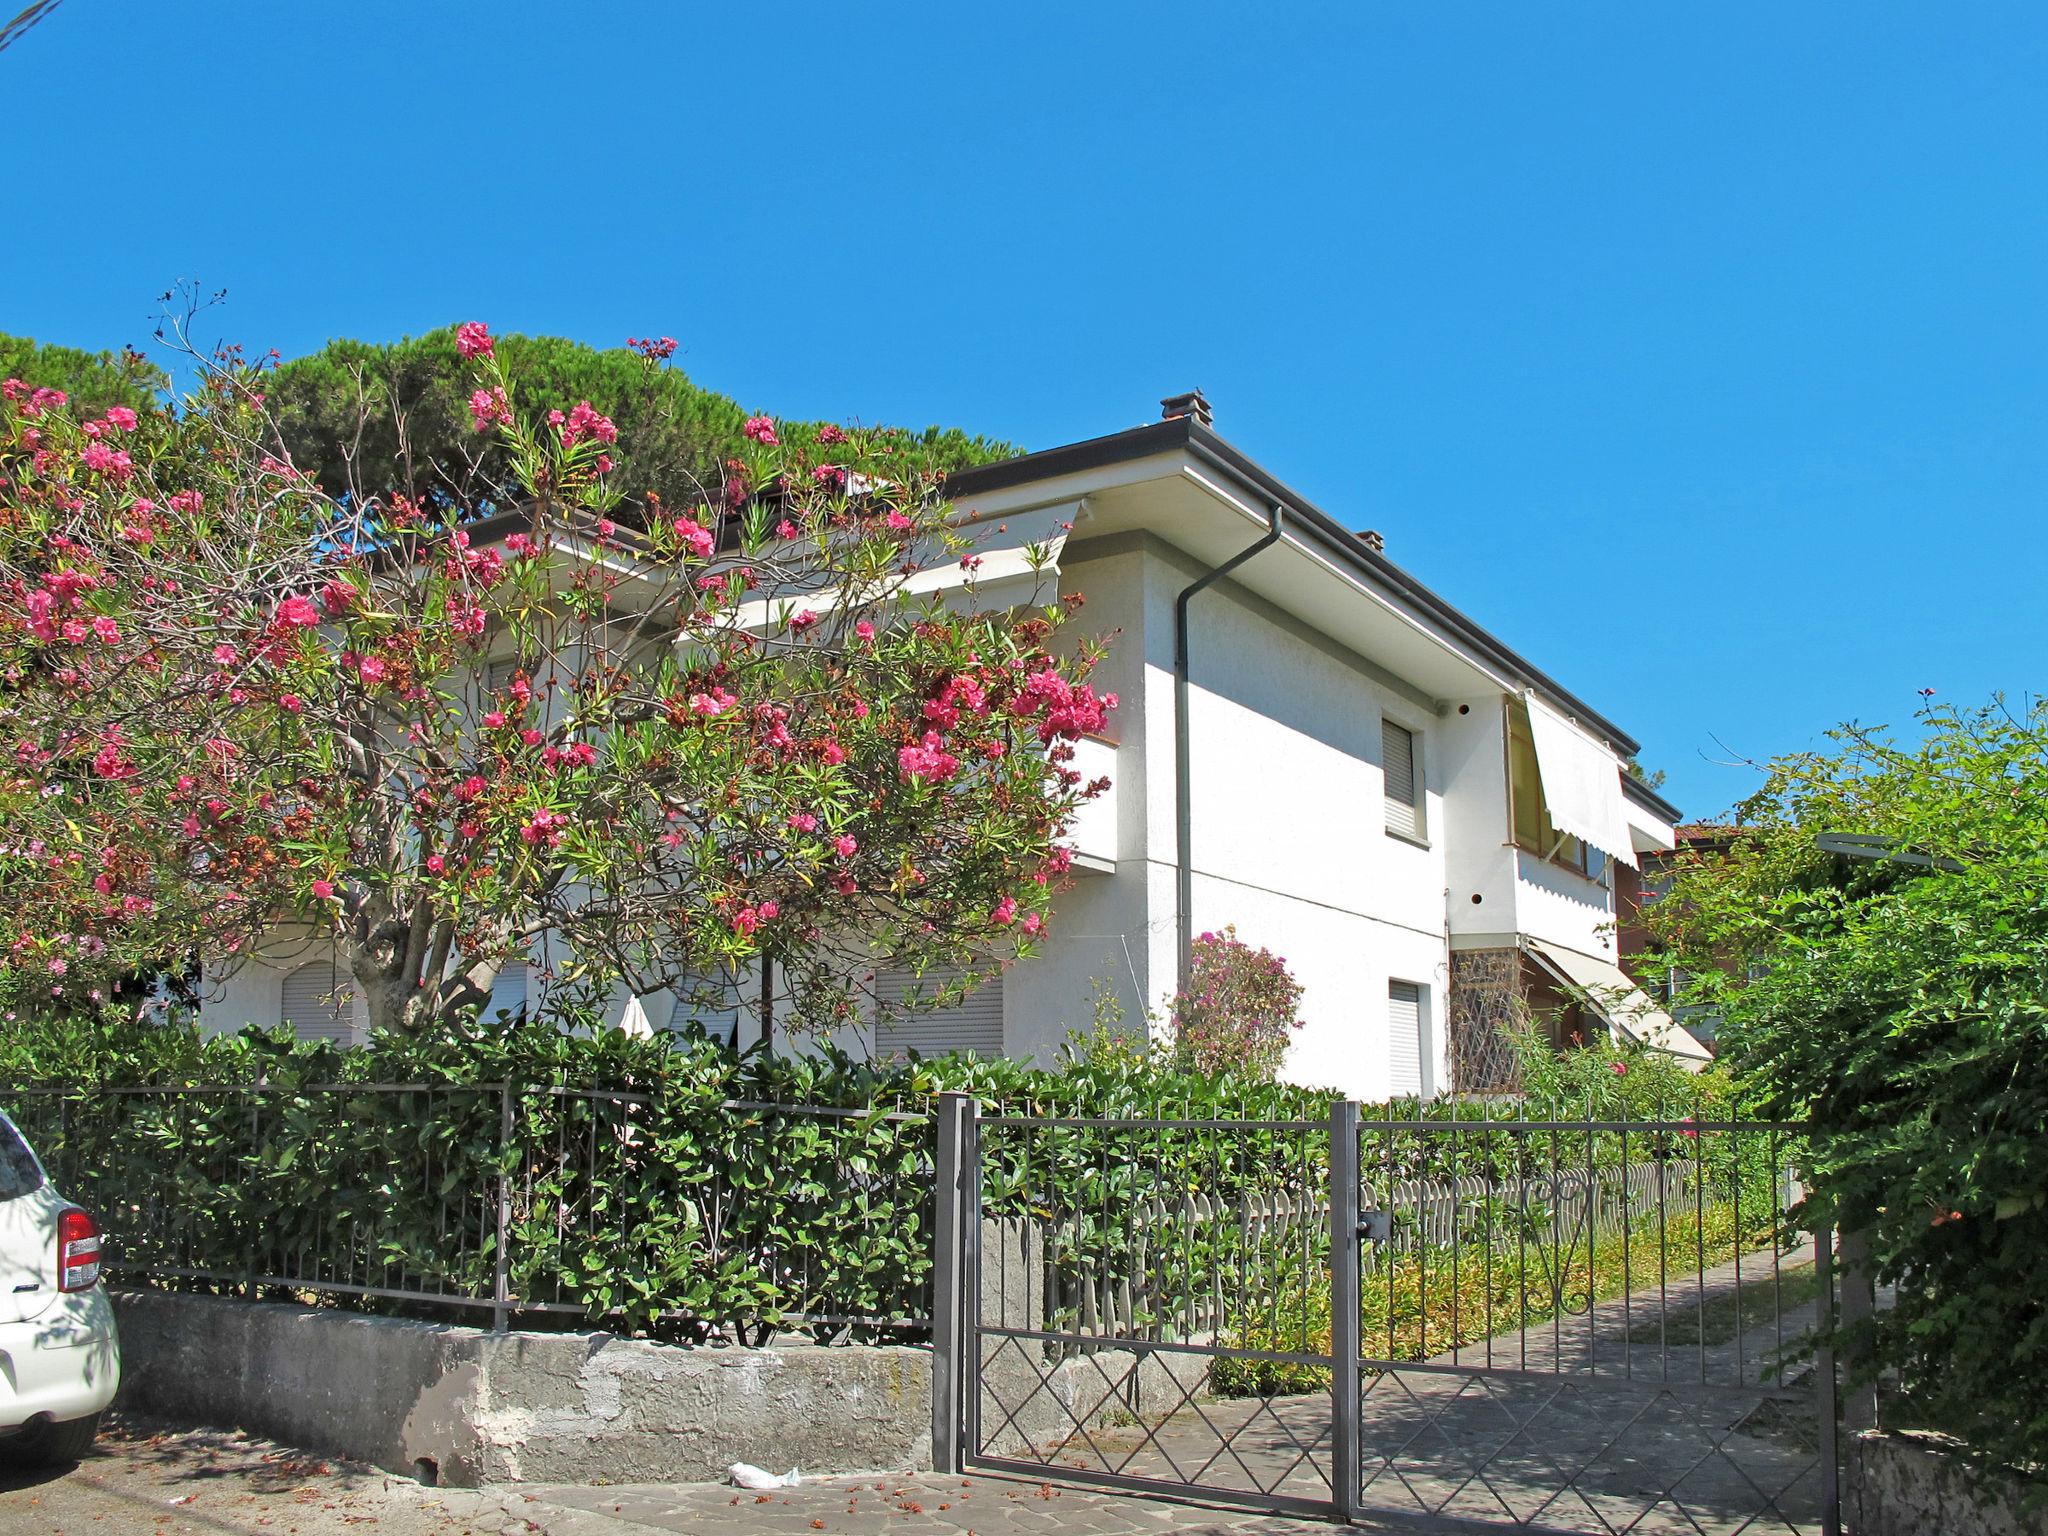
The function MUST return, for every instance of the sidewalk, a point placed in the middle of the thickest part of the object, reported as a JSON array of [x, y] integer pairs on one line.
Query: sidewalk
[[923, 1505]]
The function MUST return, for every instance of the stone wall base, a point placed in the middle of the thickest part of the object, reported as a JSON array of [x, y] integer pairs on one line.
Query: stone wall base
[[465, 1406], [1911, 1484]]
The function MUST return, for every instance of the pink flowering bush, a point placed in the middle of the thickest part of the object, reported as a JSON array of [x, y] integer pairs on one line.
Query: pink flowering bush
[[1237, 1013], [673, 738]]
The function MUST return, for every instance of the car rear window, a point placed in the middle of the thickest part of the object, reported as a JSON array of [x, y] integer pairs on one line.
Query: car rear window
[[19, 1174]]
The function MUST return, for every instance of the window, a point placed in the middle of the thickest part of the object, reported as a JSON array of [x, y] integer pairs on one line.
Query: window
[[319, 1003], [1408, 1053], [19, 1174], [975, 1023], [1528, 819], [1401, 755], [508, 992]]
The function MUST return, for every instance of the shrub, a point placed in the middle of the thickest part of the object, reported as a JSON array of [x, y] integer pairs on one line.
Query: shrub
[[1884, 910], [1238, 1010], [700, 1206]]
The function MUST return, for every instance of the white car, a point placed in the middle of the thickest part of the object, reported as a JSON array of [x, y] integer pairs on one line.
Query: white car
[[60, 1357]]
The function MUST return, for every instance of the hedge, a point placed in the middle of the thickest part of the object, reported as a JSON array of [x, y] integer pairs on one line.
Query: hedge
[[672, 1186]]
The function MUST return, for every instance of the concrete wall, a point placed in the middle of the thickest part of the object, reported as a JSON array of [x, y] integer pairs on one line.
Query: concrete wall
[[482, 1407], [1911, 1484]]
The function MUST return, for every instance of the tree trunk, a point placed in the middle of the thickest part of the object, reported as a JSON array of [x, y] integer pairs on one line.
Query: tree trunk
[[388, 1000]]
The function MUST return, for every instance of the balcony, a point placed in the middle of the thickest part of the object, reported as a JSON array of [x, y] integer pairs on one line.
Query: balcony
[[1092, 836]]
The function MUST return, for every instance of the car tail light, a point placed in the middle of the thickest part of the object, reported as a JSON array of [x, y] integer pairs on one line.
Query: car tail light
[[78, 1251]]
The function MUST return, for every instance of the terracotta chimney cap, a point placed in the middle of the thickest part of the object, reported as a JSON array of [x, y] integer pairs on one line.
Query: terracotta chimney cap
[[1373, 540], [1194, 403]]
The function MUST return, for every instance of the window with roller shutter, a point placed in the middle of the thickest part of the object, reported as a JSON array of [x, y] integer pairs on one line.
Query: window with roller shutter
[[975, 1023], [509, 991], [1407, 1048], [319, 1003], [1401, 756]]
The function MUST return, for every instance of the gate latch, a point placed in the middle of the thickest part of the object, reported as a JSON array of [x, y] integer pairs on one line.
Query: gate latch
[[1376, 1226]]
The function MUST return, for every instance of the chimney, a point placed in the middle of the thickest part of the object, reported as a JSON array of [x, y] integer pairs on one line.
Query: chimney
[[1193, 403], [1373, 540]]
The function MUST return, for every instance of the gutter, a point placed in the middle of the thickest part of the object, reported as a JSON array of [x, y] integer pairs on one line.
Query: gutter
[[1183, 814]]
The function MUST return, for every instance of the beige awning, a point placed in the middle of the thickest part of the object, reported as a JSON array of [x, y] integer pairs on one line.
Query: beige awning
[[1581, 782], [1620, 1001]]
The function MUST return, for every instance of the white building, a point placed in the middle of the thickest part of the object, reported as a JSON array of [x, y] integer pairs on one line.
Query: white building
[[1418, 819]]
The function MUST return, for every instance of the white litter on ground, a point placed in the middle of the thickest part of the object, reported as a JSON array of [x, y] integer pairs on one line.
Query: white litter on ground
[[746, 1475]]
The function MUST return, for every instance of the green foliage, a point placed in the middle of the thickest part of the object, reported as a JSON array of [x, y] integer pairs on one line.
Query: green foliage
[[378, 417], [692, 1205], [92, 380], [1624, 1081], [1432, 1300], [1901, 1002]]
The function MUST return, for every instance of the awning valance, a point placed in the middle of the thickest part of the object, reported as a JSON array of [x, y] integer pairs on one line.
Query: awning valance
[[1581, 783], [1620, 1001]]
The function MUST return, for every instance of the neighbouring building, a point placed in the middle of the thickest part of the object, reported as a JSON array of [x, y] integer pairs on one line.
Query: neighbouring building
[[1636, 890], [1310, 746]]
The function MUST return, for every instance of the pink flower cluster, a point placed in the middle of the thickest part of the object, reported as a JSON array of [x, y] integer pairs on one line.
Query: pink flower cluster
[[544, 828], [655, 350], [927, 760], [695, 537], [32, 402], [1070, 710], [584, 421], [962, 692], [716, 702], [473, 339], [490, 408], [102, 460], [751, 917], [297, 613], [762, 430]]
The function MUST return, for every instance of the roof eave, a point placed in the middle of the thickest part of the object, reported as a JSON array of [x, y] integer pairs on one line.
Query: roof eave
[[1334, 539]]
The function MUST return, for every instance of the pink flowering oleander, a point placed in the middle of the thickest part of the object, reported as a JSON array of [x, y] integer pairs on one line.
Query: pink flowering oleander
[[298, 613], [762, 430], [473, 339], [927, 760], [489, 408], [695, 537], [586, 421]]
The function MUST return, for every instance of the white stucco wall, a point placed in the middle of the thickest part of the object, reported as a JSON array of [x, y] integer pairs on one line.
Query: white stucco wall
[[1289, 828], [1520, 894], [250, 990]]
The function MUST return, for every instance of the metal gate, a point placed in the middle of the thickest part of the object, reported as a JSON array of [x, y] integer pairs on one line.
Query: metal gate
[[1567, 1325]]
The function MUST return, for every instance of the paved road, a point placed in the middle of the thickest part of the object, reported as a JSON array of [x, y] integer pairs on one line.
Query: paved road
[[217, 1483]]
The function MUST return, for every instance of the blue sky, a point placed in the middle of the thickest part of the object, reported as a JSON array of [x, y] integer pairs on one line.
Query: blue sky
[[1701, 356]]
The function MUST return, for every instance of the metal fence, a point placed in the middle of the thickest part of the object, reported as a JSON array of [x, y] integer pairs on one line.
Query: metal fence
[[1528, 1323], [721, 1217]]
